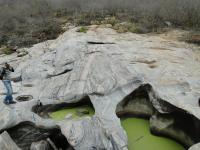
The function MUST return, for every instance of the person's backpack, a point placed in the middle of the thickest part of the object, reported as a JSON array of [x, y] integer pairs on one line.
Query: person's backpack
[[2, 73]]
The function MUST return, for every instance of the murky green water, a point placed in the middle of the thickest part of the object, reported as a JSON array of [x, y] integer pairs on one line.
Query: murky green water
[[140, 138], [60, 114]]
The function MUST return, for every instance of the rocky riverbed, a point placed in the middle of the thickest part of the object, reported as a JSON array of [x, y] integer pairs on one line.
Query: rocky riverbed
[[151, 76]]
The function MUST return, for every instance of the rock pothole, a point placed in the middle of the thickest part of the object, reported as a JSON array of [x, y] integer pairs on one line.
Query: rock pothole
[[64, 111], [175, 123]]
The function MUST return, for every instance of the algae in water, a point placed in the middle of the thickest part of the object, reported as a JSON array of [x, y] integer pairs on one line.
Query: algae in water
[[60, 114], [140, 138]]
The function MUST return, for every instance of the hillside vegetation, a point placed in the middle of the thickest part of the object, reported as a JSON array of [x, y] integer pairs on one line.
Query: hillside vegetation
[[25, 22]]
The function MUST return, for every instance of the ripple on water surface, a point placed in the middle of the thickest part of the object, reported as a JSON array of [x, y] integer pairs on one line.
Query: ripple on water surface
[[140, 138]]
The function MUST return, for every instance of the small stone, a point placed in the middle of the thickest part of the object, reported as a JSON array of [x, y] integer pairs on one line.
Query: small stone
[[21, 54]]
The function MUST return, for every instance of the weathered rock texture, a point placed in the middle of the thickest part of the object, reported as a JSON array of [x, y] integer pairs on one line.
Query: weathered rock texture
[[195, 147], [6, 143], [69, 68]]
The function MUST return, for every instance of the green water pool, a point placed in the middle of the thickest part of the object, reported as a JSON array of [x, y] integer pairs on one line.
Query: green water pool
[[140, 138], [60, 114]]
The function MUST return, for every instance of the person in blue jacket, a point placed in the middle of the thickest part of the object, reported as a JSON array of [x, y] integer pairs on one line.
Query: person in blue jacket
[[6, 79]]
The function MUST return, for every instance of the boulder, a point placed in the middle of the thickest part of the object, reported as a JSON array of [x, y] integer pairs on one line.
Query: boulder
[[88, 133], [21, 52]]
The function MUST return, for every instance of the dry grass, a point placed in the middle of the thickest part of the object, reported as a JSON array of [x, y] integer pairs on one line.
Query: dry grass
[[24, 23]]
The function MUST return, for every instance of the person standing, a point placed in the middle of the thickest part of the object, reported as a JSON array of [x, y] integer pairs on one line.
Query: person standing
[[6, 79]]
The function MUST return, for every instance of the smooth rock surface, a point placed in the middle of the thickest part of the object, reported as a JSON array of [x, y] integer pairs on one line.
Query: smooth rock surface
[[195, 147], [68, 69]]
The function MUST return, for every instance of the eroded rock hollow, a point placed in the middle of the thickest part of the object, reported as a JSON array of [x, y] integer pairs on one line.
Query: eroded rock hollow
[[173, 122]]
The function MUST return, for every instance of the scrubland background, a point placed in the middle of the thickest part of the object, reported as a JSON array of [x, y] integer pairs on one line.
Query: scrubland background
[[26, 22]]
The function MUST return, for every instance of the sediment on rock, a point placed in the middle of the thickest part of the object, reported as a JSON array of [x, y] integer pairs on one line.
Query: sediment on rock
[[26, 133], [174, 123]]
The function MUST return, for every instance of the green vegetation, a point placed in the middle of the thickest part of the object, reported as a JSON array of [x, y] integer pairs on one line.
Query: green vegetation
[[83, 30], [127, 27], [24, 23], [7, 51], [60, 114], [110, 20], [140, 138]]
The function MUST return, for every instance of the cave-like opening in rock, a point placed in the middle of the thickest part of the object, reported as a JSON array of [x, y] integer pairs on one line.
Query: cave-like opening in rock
[[178, 124], [83, 105], [136, 104], [26, 133]]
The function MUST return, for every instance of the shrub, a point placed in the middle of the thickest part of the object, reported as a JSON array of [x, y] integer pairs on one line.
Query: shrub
[[82, 30], [35, 21], [7, 51], [129, 27], [23, 22], [110, 20]]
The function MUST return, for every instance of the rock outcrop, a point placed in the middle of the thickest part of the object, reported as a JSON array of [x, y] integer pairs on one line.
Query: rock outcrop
[[69, 68]]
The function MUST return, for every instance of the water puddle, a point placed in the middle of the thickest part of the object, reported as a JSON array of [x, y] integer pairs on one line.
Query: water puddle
[[140, 138]]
